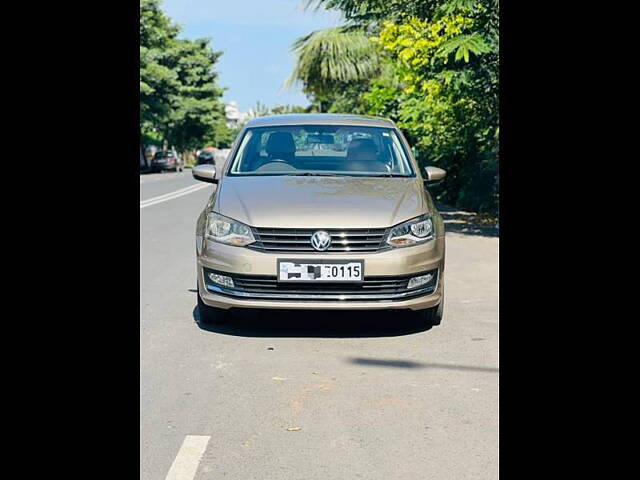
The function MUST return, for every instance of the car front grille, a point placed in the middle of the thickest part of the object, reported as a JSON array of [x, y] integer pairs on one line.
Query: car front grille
[[299, 240], [371, 288]]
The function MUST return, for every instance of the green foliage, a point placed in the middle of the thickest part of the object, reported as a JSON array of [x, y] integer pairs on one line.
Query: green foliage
[[334, 55], [331, 60], [282, 109], [453, 6], [437, 77], [448, 97], [151, 138], [179, 97], [367, 12], [221, 136], [261, 110], [463, 45]]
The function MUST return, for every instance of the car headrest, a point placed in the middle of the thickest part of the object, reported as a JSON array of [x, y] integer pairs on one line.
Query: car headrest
[[279, 143], [362, 149]]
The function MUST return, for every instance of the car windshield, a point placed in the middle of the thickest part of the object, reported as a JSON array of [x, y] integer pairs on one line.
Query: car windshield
[[321, 150]]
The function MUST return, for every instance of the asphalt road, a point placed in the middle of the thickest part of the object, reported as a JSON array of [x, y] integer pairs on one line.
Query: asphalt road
[[376, 396]]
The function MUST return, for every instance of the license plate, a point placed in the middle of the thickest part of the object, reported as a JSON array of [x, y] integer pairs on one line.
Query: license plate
[[317, 271]]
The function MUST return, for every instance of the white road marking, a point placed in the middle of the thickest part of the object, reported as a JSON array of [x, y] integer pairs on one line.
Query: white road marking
[[190, 187], [157, 177], [186, 463], [171, 195]]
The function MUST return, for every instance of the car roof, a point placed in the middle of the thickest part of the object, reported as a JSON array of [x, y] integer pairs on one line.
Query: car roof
[[320, 119]]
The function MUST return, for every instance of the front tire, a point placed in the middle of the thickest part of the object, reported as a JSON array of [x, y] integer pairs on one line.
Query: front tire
[[431, 317], [211, 315]]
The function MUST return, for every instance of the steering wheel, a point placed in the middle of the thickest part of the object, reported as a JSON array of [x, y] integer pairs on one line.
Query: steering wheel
[[275, 165], [274, 160]]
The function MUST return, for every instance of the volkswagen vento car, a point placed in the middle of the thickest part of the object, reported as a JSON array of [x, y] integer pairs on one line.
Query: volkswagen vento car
[[320, 211]]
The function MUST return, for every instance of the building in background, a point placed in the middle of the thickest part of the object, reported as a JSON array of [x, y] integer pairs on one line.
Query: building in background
[[236, 118]]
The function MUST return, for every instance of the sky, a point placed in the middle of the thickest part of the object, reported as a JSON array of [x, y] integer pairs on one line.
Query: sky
[[256, 38]]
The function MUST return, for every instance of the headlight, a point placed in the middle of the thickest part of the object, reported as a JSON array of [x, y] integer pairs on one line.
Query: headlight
[[412, 232], [226, 230]]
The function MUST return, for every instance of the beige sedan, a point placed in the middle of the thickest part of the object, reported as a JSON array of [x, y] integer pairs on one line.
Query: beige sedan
[[320, 211]]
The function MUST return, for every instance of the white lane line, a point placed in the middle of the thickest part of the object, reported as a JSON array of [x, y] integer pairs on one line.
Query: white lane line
[[171, 195], [157, 177], [186, 463], [190, 187], [156, 200]]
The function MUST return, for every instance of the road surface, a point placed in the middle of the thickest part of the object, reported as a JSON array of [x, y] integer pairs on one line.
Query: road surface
[[307, 396]]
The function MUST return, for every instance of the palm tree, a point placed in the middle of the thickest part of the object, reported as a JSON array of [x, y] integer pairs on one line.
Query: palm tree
[[329, 59]]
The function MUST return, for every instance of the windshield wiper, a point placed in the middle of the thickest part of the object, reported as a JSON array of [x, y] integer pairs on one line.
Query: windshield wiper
[[386, 175], [314, 174]]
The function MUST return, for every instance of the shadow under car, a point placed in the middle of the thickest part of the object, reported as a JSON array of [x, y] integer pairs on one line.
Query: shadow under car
[[315, 323]]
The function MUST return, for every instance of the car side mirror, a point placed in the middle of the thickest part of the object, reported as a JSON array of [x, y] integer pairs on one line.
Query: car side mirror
[[205, 173], [434, 175]]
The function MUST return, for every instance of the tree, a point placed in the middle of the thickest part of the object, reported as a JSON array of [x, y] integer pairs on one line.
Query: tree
[[332, 60], [197, 106], [371, 12], [222, 135], [179, 98], [436, 76], [445, 95]]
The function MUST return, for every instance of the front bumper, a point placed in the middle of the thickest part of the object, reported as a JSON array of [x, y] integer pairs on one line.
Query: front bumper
[[389, 263]]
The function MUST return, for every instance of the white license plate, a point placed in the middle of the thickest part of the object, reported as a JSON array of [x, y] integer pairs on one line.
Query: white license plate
[[309, 271]]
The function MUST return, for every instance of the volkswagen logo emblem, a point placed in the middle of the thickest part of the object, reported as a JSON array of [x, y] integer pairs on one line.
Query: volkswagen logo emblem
[[321, 240]]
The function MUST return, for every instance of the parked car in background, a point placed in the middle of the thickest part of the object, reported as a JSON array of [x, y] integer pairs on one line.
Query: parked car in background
[[167, 161], [321, 212], [205, 157], [143, 160]]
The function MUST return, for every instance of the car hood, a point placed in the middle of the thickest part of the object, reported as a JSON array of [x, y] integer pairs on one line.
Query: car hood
[[321, 202]]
